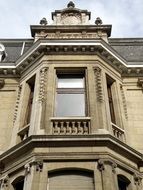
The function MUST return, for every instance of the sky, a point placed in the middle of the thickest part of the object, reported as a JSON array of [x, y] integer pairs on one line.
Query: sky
[[16, 16]]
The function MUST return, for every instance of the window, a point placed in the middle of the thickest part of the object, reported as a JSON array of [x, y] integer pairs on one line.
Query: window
[[31, 86], [123, 182], [18, 184], [70, 97], [110, 82], [71, 179]]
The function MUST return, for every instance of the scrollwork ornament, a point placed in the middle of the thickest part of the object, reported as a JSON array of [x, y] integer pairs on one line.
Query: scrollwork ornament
[[17, 103], [42, 85], [99, 90]]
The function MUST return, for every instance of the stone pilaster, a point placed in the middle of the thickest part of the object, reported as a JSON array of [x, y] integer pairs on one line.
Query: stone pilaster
[[100, 100], [108, 174], [33, 171], [38, 115]]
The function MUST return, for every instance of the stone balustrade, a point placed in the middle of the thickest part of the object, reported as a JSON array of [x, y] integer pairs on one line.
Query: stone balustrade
[[118, 132], [70, 126]]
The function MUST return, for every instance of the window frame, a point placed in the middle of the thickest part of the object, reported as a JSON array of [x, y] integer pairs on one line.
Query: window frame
[[72, 72]]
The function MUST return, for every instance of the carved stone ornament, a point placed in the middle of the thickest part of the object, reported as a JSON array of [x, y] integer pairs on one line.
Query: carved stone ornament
[[124, 101], [98, 81], [27, 168], [42, 85], [17, 103], [38, 165], [137, 179], [4, 181], [101, 165], [71, 19]]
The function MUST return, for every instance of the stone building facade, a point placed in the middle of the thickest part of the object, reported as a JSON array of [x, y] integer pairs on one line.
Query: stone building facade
[[71, 111]]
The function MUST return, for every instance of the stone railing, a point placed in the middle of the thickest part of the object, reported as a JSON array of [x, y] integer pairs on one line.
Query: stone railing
[[23, 132], [70, 126], [118, 132]]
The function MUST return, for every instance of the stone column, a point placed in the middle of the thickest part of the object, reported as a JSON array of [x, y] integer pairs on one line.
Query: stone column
[[108, 174], [33, 171]]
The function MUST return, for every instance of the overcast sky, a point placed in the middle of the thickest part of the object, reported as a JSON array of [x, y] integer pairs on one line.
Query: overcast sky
[[126, 16]]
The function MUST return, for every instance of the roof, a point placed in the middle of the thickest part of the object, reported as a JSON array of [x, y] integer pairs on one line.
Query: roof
[[15, 48], [131, 49]]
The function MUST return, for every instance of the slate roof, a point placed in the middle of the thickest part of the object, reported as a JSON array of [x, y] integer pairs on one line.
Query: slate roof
[[131, 49], [15, 48]]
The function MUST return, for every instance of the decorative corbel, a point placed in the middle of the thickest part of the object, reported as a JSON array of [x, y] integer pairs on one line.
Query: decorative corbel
[[137, 179], [4, 181], [27, 168], [39, 165], [101, 165]]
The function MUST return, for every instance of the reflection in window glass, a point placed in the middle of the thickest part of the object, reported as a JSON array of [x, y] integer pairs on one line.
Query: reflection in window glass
[[70, 105], [70, 81]]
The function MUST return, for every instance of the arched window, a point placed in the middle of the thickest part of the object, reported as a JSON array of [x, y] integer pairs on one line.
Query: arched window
[[71, 179], [18, 183], [123, 182]]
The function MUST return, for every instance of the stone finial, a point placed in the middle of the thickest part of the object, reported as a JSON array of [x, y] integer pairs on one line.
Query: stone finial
[[71, 5], [43, 21], [98, 21]]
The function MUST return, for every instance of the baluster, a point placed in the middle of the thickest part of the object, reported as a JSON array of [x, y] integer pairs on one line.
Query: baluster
[[56, 130], [73, 127], [68, 129], [79, 128], [85, 127], [62, 131]]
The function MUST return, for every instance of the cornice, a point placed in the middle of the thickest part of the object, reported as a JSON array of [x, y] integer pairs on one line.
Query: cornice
[[105, 140], [73, 47]]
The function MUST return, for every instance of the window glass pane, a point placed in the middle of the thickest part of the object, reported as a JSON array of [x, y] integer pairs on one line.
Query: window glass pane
[[68, 82], [70, 105]]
